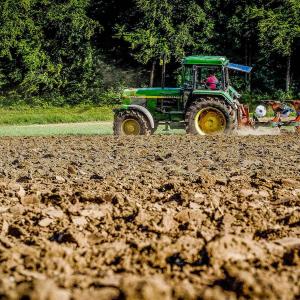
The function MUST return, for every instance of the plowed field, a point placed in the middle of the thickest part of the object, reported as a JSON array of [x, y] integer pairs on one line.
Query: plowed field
[[161, 217]]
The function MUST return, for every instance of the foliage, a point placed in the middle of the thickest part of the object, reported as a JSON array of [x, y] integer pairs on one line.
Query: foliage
[[45, 46], [69, 52], [278, 30], [168, 28], [279, 26]]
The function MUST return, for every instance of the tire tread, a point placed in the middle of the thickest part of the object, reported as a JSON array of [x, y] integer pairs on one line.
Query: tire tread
[[120, 116], [200, 104]]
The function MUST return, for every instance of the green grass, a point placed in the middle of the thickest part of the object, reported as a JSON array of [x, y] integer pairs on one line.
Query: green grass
[[26, 115]]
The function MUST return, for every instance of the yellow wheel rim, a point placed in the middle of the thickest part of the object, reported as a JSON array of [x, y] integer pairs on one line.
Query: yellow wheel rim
[[210, 121], [131, 127]]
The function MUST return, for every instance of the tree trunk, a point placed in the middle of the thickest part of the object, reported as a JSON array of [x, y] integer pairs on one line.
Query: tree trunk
[[163, 72], [152, 73], [248, 62], [288, 73]]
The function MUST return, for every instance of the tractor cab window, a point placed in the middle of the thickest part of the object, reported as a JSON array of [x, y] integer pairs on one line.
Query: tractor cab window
[[209, 78], [187, 78]]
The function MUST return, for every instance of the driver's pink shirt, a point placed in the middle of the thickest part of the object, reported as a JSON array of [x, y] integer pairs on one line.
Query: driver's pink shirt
[[212, 82]]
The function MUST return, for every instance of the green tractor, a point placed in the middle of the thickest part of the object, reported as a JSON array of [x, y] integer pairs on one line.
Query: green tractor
[[204, 104]]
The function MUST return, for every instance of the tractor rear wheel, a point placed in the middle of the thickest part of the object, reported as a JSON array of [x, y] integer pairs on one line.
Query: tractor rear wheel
[[208, 118], [131, 122]]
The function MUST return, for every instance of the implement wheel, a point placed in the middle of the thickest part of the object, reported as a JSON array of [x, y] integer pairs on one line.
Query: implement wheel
[[208, 118], [130, 122]]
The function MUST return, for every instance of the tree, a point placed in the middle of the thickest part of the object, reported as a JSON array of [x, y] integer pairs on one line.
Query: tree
[[235, 32], [166, 29], [44, 46], [279, 28]]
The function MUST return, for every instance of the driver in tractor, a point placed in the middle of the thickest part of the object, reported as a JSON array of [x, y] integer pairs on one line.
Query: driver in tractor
[[212, 81]]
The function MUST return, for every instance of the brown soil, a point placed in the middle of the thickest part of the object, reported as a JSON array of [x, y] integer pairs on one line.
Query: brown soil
[[162, 217]]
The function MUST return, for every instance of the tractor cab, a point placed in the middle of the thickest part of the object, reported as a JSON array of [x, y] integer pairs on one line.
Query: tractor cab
[[208, 73], [198, 70]]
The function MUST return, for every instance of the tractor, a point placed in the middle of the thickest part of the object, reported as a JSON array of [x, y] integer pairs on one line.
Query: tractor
[[199, 105]]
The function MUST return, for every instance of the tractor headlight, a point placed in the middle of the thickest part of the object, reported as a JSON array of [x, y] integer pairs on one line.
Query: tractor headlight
[[260, 111]]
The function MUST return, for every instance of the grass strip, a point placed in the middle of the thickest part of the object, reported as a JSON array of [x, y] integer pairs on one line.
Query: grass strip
[[53, 115]]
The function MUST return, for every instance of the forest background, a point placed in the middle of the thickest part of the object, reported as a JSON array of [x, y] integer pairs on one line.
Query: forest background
[[74, 52]]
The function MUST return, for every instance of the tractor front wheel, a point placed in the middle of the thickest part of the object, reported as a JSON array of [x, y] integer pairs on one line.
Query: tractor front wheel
[[208, 118], [130, 122]]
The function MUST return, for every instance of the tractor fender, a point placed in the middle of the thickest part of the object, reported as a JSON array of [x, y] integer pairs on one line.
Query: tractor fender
[[145, 111]]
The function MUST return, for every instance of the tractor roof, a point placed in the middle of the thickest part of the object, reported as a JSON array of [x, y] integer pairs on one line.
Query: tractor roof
[[205, 60]]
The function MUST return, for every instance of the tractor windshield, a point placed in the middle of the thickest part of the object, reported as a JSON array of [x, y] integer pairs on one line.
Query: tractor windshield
[[210, 77], [205, 77]]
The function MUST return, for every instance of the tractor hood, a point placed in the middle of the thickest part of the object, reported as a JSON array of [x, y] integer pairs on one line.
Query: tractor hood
[[151, 92]]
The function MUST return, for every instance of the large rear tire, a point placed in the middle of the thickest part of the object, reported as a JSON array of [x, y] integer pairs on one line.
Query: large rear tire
[[131, 122], [208, 118]]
